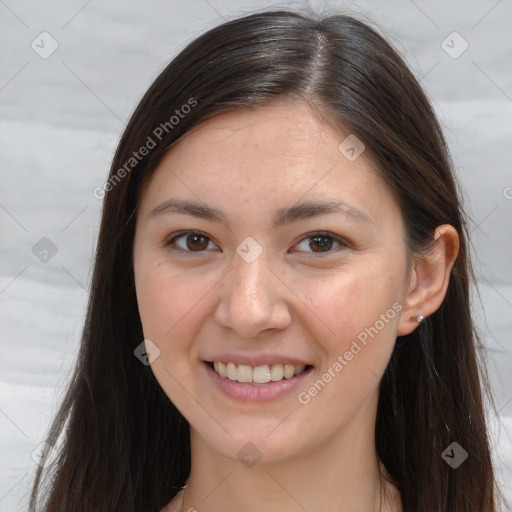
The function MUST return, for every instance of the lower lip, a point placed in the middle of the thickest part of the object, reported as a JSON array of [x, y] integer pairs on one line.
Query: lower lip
[[254, 392]]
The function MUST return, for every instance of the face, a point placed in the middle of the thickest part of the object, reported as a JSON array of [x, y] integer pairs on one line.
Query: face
[[275, 317]]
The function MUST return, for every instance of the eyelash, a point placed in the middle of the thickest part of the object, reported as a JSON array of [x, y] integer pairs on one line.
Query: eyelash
[[308, 236]]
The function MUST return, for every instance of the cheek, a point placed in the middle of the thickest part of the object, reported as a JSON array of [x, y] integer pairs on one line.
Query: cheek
[[163, 298], [170, 303], [346, 303], [359, 315], [167, 302], [151, 299]]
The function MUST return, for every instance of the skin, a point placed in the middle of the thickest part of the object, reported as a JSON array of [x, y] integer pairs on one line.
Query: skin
[[292, 299]]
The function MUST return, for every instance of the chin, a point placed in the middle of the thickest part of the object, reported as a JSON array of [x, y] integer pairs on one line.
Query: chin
[[254, 444]]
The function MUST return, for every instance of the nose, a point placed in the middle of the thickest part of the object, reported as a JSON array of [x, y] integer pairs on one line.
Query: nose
[[252, 299]]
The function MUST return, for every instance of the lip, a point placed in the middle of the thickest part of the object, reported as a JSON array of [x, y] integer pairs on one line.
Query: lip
[[253, 392], [256, 360]]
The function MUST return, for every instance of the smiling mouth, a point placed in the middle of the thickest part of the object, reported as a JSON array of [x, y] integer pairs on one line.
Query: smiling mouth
[[257, 374]]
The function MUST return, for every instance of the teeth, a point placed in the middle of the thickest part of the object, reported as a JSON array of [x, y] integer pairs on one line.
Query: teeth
[[244, 373], [299, 369], [277, 372], [220, 368], [289, 371], [232, 371], [258, 374]]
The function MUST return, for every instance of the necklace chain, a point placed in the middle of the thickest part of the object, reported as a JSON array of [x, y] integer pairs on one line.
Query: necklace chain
[[180, 508]]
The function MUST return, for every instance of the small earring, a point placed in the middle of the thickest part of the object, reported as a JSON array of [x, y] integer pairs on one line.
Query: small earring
[[420, 319]]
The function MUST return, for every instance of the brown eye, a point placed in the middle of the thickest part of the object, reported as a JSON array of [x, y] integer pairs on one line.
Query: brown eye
[[188, 242], [196, 242], [319, 243], [324, 243]]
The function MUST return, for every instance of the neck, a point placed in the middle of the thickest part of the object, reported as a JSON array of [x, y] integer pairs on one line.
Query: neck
[[339, 474]]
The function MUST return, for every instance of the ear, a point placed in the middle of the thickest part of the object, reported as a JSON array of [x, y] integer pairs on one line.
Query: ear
[[429, 279]]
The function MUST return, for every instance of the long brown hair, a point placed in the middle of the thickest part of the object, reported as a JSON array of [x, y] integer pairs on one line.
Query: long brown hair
[[125, 446]]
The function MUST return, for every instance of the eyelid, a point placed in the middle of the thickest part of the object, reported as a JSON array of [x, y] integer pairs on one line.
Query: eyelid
[[183, 233], [312, 234]]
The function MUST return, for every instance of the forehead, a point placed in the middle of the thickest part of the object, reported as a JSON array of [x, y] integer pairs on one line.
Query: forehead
[[280, 133], [267, 156]]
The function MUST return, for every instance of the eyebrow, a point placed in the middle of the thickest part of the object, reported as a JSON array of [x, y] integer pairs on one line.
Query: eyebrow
[[282, 216]]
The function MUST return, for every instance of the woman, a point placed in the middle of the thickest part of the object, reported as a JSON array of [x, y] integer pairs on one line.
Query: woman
[[279, 316]]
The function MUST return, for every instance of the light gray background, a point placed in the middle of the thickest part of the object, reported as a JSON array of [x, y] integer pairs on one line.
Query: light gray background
[[61, 118]]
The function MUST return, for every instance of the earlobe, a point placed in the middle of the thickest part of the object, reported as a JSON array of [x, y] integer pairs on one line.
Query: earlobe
[[430, 279]]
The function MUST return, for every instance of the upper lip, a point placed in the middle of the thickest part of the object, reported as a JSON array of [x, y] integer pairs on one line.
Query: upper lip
[[257, 359]]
